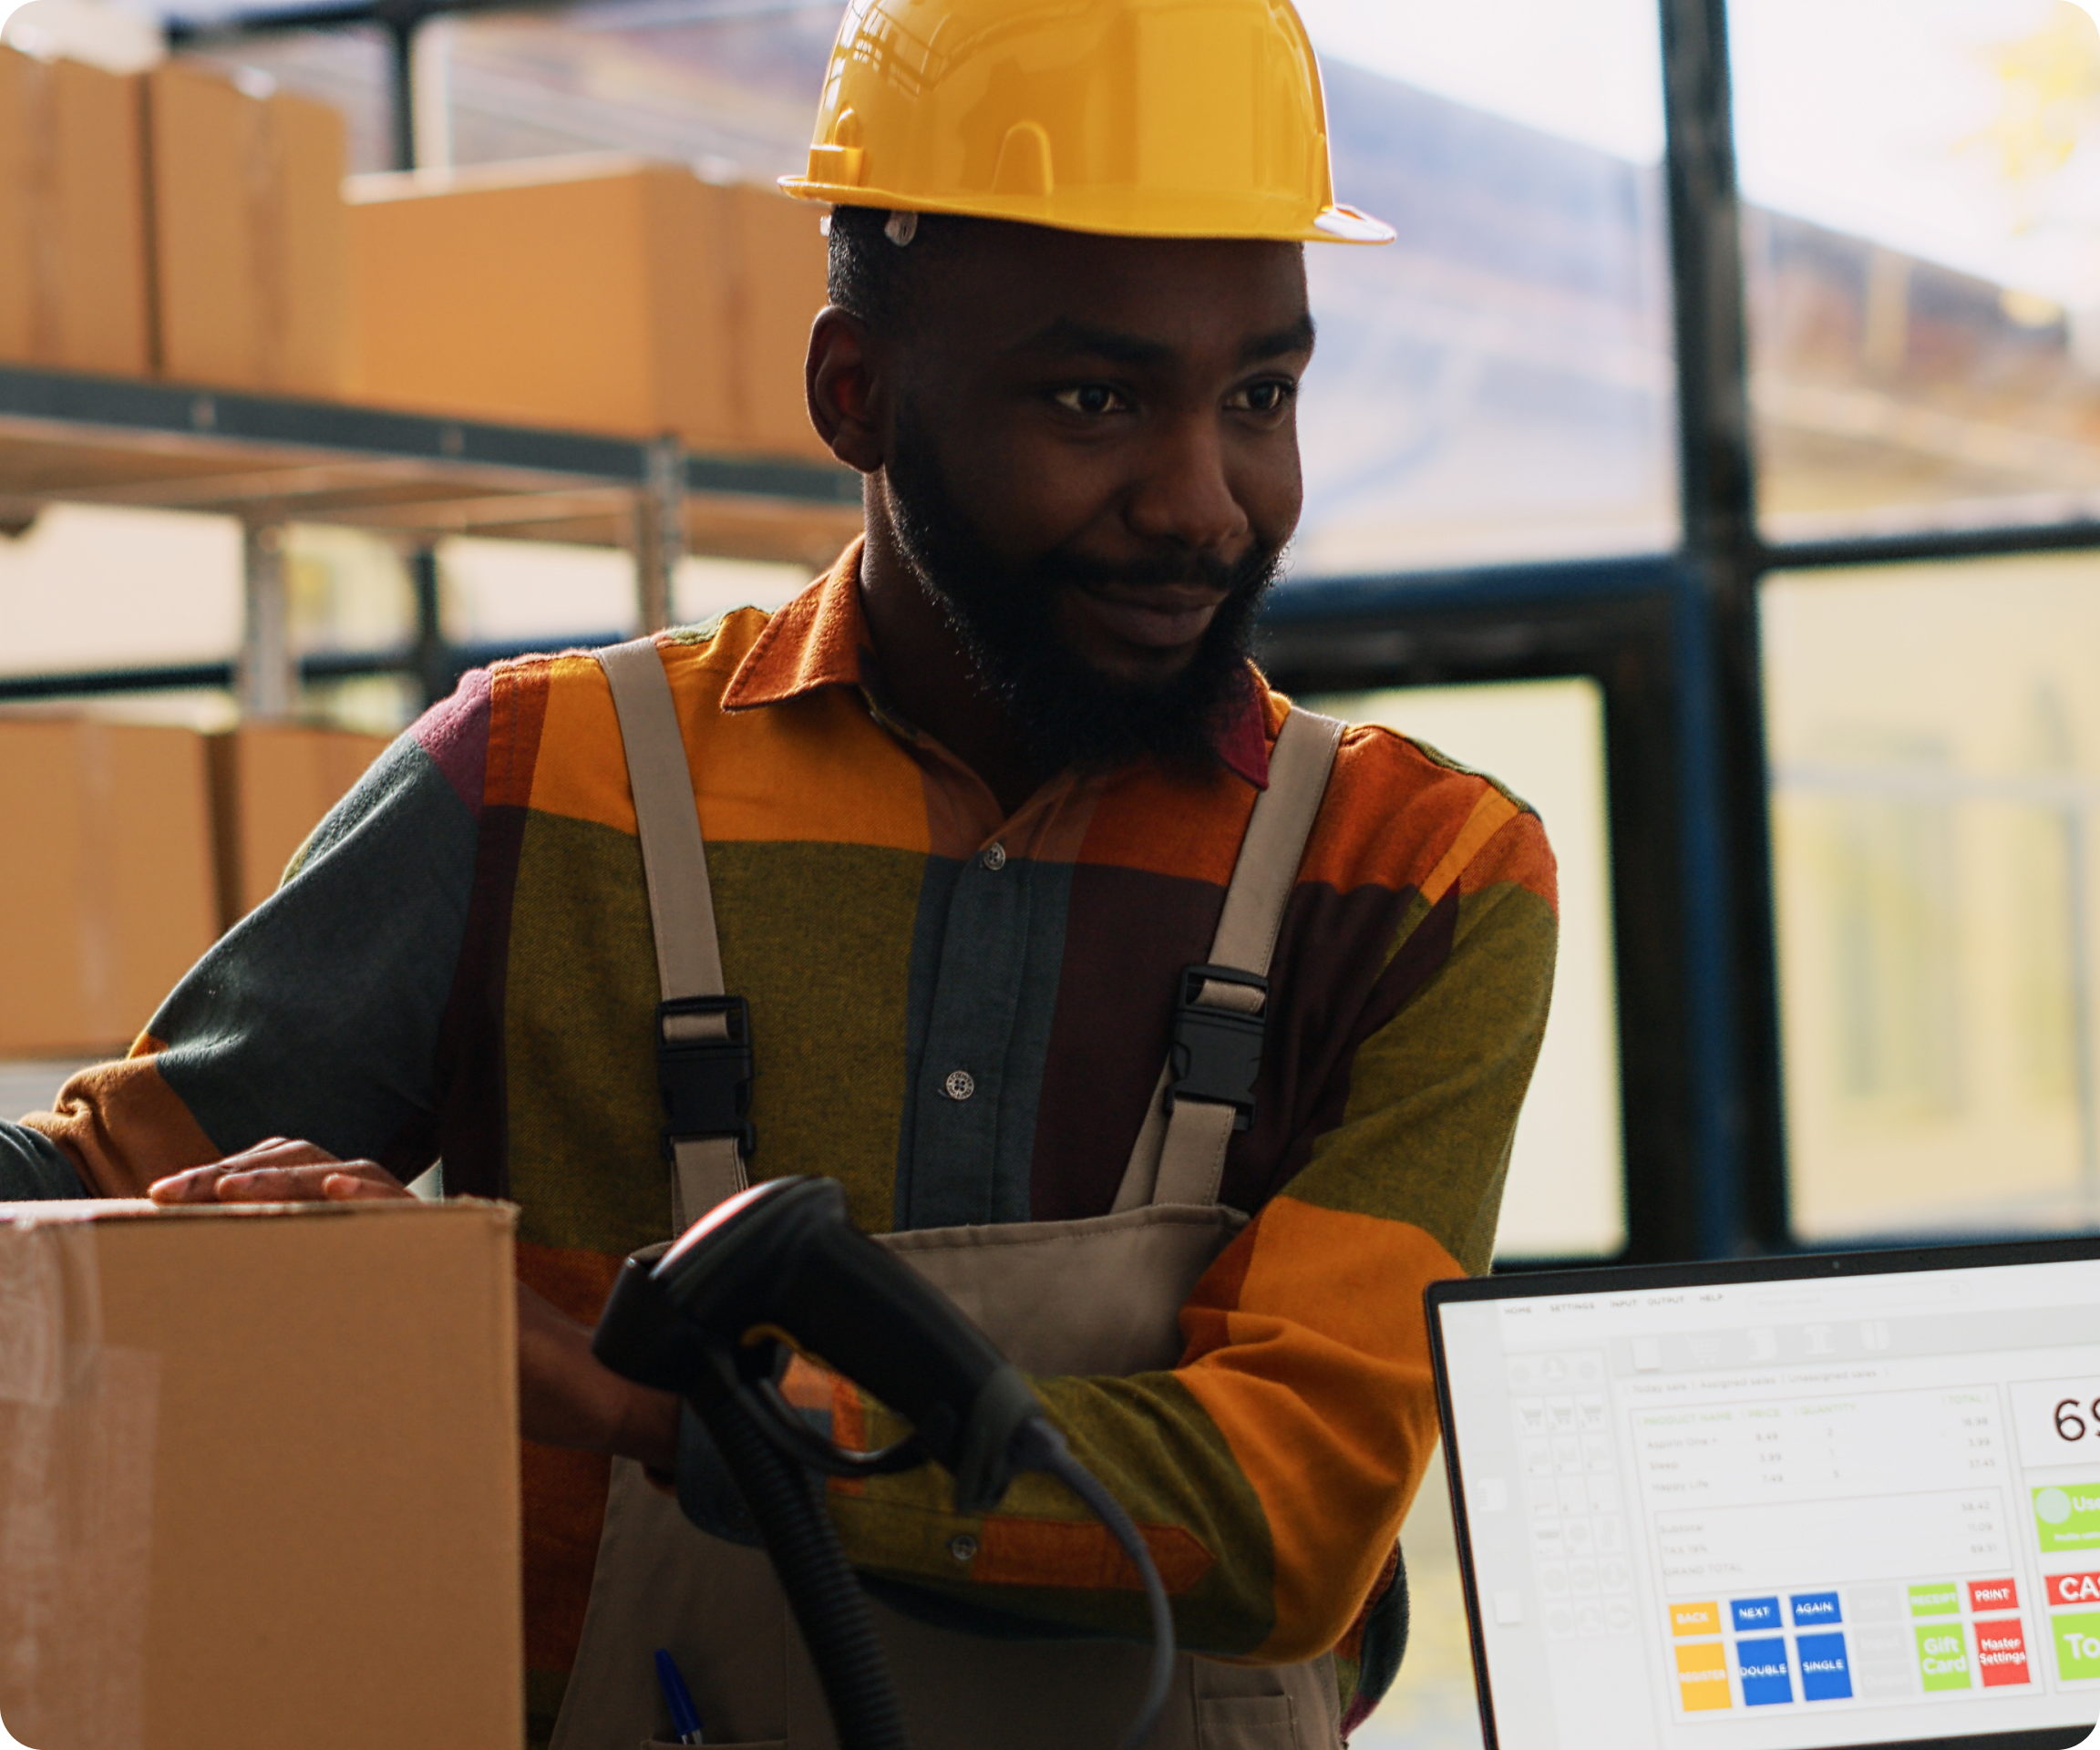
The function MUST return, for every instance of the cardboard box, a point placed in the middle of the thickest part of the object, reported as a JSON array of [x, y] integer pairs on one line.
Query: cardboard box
[[72, 218], [106, 893], [271, 784], [599, 294], [259, 1477], [781, 261], [251, 241]]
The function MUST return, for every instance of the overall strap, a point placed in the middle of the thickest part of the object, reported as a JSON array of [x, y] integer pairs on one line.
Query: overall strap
[[1206, 1091], [704, 1063]]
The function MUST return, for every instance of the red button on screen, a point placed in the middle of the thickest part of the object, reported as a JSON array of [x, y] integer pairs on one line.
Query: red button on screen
[[2001, 1652], [2074, 1589], [1993, 1595]]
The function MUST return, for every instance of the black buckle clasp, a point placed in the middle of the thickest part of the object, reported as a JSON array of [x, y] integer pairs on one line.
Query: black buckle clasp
[[1217, 1053], [706, 1080]]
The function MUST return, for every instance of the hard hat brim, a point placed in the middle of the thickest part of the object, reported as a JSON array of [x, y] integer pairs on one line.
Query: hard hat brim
[[1334, 224]]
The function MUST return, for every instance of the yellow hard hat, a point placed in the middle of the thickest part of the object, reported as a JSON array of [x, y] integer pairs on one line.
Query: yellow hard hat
[[1139, 117]]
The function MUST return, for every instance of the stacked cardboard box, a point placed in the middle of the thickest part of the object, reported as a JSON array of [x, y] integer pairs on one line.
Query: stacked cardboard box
[[271, 784], [138, 846], [173, 221], [72, 219], [251, 241], [606, 294], [259, 1474], [107, 892]]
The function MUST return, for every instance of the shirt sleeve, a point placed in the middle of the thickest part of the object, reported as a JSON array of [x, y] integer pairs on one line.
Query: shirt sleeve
[[316, 1017], [1270, 1471], [33, 1167]]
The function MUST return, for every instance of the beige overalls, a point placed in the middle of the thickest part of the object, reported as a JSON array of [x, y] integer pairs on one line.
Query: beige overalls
[[1094, 1297]]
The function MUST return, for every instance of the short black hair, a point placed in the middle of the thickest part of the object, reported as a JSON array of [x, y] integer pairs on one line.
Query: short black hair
[[872, 278]]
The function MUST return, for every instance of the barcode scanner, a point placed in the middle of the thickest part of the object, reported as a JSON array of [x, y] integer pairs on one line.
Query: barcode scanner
[[781, 1267]]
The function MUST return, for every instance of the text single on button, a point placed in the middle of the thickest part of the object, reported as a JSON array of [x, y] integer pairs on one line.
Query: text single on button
[[1826, 1673]]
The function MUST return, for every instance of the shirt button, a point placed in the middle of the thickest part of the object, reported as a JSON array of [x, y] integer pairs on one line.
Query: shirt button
[[994, 857], [960, 1086], [963, 1547]]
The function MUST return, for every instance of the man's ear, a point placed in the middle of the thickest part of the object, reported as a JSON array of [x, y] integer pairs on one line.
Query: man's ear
[[845, 389]]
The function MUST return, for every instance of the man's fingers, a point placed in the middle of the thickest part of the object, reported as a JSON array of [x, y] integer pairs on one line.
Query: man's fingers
[[199, 1185], [320, 1182], [279, 1170], [362, 1181]]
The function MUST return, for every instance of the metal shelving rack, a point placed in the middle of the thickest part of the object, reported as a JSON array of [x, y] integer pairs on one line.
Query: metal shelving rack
[[270, 461]]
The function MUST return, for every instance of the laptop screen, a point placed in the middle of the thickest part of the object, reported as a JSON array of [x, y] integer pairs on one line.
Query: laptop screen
[[1786, 1505]]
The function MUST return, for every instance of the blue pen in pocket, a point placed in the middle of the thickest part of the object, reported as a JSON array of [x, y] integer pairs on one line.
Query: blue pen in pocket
[[684, 1716]]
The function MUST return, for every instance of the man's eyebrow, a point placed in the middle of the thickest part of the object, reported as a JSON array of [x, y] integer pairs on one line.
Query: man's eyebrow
[[1296, 338], [1068, 337]]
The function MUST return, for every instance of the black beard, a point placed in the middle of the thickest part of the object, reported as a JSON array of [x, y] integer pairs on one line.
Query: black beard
[[1069, 714]]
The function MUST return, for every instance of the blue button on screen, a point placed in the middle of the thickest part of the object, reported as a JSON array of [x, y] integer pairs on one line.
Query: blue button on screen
[[1755, 1614], [1762, 1664], [1825, 1674], [1813, 1610]]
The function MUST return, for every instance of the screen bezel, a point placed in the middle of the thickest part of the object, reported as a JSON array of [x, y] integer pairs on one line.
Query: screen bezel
[[1792, 1267]]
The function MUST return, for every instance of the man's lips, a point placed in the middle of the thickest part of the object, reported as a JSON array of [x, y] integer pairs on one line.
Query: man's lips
[[1161, 616]]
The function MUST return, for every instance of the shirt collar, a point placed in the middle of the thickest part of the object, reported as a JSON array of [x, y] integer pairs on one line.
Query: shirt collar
[[820, 639]]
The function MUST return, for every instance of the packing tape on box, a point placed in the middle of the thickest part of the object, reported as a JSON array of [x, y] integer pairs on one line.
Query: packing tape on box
[[76, 1438]]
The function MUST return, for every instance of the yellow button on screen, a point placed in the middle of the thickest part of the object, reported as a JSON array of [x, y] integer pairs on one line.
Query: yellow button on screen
[[1695, 1619], [1702, 1676]]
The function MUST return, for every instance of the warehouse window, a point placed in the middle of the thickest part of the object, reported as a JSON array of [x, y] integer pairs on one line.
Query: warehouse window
[[1920, 275], [1935, 750], [1498, 384]]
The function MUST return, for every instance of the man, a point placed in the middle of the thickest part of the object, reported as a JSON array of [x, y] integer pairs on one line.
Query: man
[[970, 804]]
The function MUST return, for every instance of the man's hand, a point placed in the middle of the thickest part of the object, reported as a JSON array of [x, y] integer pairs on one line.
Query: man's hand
[[276, 1170], [566, 1397]]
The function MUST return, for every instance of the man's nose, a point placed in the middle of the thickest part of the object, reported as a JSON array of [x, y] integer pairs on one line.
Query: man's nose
[[1186, 496]]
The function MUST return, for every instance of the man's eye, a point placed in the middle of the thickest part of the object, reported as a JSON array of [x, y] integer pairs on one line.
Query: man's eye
[[1093, 399], [1264, 397]]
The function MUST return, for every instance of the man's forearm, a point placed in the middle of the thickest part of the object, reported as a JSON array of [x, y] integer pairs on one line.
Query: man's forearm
[[567, 1398]]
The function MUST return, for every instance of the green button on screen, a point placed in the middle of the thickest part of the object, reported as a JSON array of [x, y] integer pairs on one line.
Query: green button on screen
[[2068, 1518], [1943, 1656], [2077, 1639]]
